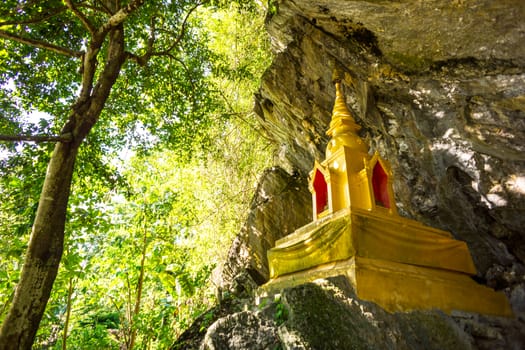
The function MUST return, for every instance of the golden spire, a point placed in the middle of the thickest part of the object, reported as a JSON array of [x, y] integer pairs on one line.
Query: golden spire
[[343, 128], [342, 120]]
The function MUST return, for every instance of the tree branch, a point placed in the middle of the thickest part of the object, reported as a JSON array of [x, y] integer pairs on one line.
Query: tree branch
[[40, 44], [182, 31], [89, 59], [87, 109], [37, 138], [188, 73], [104, 7], [143, 59], [119, 17], [81, 17], [56, 11]]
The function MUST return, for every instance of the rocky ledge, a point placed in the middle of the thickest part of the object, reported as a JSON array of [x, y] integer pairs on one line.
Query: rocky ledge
[[326, 314]]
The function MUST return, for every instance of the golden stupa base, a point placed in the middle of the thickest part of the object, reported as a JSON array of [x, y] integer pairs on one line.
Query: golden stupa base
[[393, 261], [401, 287], [369, 234]]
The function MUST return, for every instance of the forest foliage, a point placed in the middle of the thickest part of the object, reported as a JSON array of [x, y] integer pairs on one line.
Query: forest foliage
[[161, 184]]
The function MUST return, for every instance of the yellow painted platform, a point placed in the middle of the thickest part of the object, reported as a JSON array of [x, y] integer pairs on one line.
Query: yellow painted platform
[[398, 263], [356, 232], [402, 287]]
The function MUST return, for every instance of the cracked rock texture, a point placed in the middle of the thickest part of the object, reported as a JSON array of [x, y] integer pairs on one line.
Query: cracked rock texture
[[439, 90]]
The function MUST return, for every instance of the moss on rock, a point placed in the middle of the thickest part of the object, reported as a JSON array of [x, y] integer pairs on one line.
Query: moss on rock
[[328, 315]]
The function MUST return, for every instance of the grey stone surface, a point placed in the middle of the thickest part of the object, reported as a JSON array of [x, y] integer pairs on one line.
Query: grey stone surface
[[326, 314], [243, 330]]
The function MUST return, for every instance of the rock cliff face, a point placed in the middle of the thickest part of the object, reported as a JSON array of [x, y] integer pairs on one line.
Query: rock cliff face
[[439, 89]]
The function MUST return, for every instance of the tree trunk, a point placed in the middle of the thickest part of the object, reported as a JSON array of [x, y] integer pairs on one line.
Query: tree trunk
[[68, 313], [43, 253], [47, 237], [140, 285]]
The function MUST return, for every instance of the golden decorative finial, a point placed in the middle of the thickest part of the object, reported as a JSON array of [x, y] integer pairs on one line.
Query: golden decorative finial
[[343, 128], [342, 120], [336, 75]]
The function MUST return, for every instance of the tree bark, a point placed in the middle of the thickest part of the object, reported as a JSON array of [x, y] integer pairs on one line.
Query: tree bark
[[43, 254]]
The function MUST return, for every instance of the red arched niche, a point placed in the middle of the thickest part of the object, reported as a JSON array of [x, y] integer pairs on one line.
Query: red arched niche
[[321, 192], [380, 184]]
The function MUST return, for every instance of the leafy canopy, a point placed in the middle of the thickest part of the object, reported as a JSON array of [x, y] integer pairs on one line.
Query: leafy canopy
[[166, 173]]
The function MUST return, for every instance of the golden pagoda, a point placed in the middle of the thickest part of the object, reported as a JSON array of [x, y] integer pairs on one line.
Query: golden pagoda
[[356, 232]]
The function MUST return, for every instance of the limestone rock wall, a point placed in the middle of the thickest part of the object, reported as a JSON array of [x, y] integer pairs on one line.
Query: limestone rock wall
[[326, 314]]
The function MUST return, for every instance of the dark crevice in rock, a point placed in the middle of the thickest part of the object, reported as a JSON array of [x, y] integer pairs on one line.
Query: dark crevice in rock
[[471, 66]]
